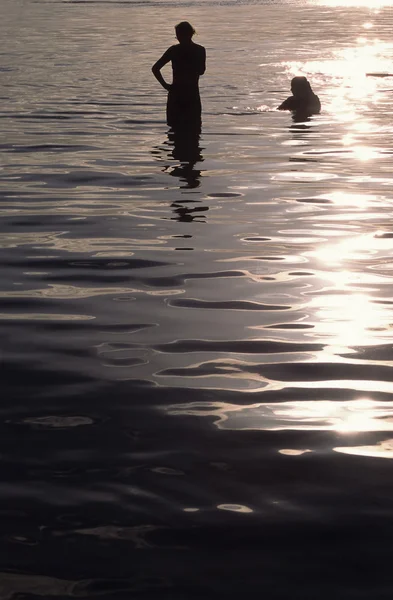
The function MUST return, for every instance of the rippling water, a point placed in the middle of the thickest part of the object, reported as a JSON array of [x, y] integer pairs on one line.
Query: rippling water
[[196, 337]]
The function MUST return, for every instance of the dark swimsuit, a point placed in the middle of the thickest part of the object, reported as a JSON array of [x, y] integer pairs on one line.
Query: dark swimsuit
[[184, 108]]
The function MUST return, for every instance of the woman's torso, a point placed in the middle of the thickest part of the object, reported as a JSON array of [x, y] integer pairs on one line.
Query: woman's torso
[[187, 64]]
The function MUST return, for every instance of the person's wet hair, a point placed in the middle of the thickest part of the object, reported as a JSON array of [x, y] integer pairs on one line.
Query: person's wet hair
[[300, 86], [184, 29]]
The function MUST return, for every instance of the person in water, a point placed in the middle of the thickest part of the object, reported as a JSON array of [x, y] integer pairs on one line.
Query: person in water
[[184, 109], [303, 101]]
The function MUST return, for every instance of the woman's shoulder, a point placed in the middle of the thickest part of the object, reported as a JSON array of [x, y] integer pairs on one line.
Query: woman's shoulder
[[315, 103], [288, 104], [168, 54], [198, 48]]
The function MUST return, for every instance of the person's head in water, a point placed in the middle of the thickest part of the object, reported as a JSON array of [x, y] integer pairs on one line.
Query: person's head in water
[[300, 87], [303, 100], [184, 31]]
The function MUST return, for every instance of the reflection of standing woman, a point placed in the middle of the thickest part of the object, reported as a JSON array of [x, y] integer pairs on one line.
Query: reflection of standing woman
[[188, 63]]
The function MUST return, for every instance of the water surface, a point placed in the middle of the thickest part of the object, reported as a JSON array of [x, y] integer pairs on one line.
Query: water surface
[[196, 337]]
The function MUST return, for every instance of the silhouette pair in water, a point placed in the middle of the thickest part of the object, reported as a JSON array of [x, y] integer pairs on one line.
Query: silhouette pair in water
[[184, 109]]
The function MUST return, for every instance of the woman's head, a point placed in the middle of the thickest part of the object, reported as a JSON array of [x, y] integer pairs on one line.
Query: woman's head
[[184, 31], [300, 87]]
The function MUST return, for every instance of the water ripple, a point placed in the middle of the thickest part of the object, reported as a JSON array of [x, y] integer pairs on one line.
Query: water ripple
[[196, 330]]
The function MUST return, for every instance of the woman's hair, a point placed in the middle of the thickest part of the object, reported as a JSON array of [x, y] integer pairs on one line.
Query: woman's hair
[[185, 28], [301, 85]]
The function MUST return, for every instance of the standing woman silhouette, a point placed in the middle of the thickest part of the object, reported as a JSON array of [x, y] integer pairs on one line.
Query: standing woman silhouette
[[184, 109]]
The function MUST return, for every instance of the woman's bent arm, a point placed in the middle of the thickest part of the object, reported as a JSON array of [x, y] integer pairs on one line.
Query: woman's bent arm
[[156, 69]]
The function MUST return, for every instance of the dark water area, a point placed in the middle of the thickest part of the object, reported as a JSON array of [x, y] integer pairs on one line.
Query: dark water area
[[196, 332]]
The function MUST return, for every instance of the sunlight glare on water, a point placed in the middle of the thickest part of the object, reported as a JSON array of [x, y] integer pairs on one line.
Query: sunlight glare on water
[[371, 4]]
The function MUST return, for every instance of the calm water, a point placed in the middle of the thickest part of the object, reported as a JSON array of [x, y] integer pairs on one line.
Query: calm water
[[196, 338]]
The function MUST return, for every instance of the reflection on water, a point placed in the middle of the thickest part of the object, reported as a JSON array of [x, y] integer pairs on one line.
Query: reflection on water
[[196, 327], [371, 4], [187, 151], [183, 147], [380, 450], [344, 417], [184, 152]]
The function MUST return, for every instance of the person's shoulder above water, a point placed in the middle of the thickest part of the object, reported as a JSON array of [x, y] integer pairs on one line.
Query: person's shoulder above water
[[303, 98], [200, 55], [198, 47], [189, 58], [312, 103], [189, 48], [288, 104]]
